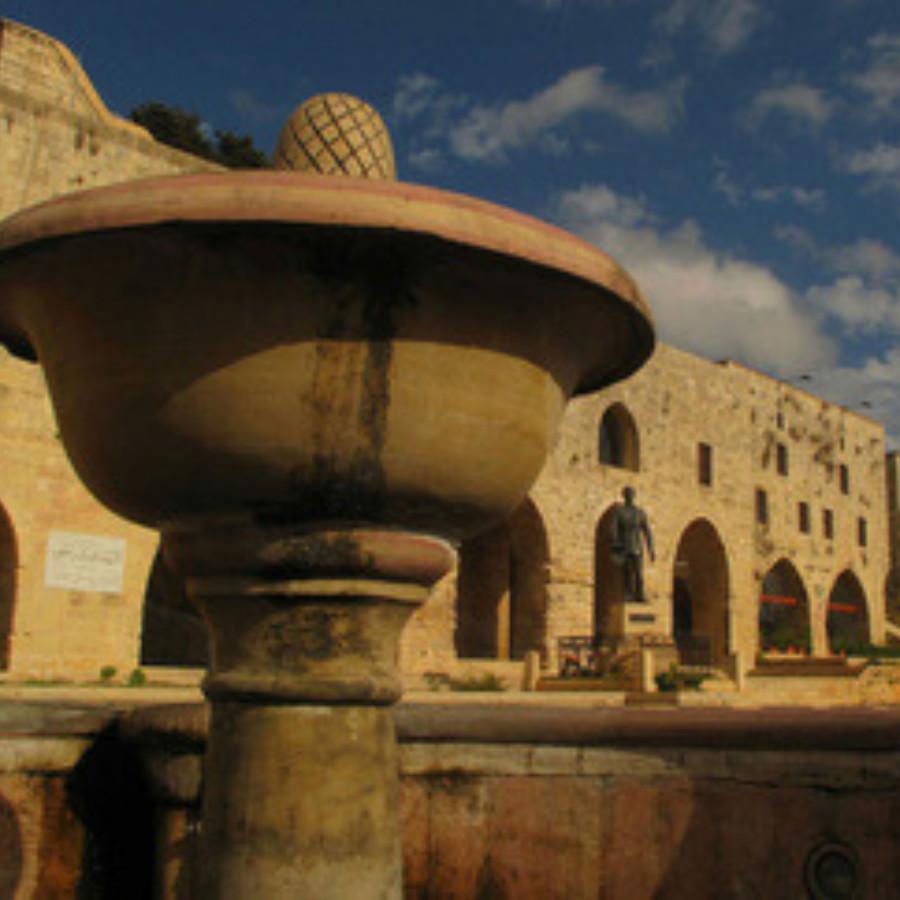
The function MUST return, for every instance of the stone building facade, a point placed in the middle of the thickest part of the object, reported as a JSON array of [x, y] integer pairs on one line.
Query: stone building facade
[[768, 511], [767, 504]]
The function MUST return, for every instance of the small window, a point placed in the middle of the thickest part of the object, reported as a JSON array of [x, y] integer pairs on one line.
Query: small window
[[828, 523], [862, 533], [762, 507], [803, 517], [704, 464], [779, 420], [618, 439], [845, 479], [781, 459]]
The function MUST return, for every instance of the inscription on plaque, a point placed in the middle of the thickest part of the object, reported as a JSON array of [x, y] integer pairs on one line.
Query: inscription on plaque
[[85, 562], [641, 617]]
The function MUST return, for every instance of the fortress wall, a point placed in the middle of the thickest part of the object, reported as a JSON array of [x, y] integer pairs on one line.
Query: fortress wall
[[60, 632], [56, 134]]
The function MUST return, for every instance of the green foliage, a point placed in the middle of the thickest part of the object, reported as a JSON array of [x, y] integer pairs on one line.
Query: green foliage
[[860, 648], [107, 673], [679, 679], [137, 678], [183, 130], [486, 682]]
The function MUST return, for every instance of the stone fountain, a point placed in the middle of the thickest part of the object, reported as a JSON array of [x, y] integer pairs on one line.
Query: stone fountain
[[314, 387]]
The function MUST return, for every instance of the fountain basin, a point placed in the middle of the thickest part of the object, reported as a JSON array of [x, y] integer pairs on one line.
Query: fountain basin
[[296, 349]]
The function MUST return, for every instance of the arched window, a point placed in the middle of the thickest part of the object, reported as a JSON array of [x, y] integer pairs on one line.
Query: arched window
[[9, 565], [700, 595], [618, 439], [173, 633], [783, 611], [847, 622], [501, 589]]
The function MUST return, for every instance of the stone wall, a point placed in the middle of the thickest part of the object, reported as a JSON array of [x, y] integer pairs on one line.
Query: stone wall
[[56, 134], [499, 802]]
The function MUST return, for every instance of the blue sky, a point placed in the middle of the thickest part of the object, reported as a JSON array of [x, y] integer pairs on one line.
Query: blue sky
[[740, 157]]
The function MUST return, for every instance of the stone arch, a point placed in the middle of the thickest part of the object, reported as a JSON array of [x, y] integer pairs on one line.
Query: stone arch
[[847, 619], [618, 439], [502, 589], [783, 610], [9, 577], [609, 587], [173, 632], [700, 594]]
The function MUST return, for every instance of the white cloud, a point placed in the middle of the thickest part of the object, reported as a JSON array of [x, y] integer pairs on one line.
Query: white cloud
[[246, 104], [414, 94], [864, 297], [859, 306], [880, 166], [725, 24], [880, 80], [730, 190], [799, 103], [426, 159], [487, 132], [809, 198], [870, 388], [705, 301], [736, 194]]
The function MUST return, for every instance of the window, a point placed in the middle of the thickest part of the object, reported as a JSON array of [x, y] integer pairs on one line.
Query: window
[[618, 439], [781, 459], [779, 420], [704, 464], [862, 532], [828, 523], [803, 517], [845, 479], [762, 507]]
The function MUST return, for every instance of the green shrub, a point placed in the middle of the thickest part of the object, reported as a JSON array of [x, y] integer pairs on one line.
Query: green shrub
[[137, 678], [486, 682], [107, 673]]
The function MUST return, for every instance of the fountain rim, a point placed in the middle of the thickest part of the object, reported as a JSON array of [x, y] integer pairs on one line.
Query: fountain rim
[[272, 197]]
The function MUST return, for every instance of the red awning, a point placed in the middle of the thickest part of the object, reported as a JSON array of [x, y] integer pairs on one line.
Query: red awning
[[844, 607], [778, 599]]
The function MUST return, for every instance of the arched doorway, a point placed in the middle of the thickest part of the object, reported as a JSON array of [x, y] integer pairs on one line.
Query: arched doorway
[[9, 570], [173, 632], [502, 589], [700, 595], [618, 443], [609, 587], [847, 622], [783, 611]]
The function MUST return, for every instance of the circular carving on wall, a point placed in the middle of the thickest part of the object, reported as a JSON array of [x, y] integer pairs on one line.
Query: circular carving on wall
[[833, 872]]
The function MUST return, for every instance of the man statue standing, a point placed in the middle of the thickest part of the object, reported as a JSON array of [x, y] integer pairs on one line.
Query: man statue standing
[[630, 529]]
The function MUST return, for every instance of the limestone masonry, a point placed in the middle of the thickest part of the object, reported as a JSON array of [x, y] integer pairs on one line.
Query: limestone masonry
[[769, 506]]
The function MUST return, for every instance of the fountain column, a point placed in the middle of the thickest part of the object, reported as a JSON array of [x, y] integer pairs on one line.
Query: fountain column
[[301, 780]]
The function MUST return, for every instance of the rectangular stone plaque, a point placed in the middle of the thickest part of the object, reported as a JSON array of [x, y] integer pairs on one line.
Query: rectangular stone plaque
[[641, 617], [85, 562]]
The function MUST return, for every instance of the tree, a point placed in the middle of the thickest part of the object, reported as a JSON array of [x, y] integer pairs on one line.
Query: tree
[[178, 128]]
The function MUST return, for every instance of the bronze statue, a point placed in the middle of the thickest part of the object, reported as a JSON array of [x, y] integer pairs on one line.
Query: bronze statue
[[629, 527]]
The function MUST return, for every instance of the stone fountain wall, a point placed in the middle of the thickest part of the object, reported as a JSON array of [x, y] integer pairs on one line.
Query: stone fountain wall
[[495, 803]]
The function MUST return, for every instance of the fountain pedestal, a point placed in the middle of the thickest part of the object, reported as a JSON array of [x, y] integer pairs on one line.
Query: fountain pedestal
[[301, 785]]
